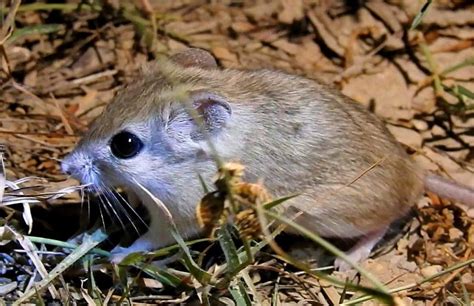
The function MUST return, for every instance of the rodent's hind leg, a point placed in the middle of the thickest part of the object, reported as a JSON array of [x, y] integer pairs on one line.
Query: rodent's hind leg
[[361, 250]]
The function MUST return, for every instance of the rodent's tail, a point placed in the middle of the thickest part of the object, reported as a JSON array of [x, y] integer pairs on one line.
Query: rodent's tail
[[449, 189]]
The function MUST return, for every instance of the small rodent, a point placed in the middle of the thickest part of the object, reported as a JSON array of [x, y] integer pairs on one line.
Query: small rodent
[[295, 134]]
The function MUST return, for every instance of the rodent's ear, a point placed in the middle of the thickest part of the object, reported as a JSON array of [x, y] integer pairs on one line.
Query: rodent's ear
[[194, 57], [214, 111], [203, 114]]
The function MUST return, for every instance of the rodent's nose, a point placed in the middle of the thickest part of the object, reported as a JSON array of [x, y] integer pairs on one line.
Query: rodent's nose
[[66, 166], [79, 166]]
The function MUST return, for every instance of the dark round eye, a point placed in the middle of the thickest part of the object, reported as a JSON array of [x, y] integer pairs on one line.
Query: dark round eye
[[125, 145]]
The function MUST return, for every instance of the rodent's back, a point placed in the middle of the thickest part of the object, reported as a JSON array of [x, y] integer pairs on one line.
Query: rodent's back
[[298, 135], [301, 136]]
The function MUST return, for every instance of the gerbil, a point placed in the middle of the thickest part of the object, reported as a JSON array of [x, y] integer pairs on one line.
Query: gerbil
[[297, 135]]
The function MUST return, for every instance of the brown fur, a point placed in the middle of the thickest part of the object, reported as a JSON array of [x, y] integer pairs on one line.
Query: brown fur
[[298, 135]]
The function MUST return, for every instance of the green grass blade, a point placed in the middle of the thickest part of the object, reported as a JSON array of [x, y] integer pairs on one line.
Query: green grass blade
[[278, 201], [467, 62], [34, 30], [457, 266], [229, 249], [329, 247], [459, 91], [66, 245], [161, 275], [53, 6], [89, 242], [420, 15], [202, 276], [239, 294], [203, 184], [465, 92]]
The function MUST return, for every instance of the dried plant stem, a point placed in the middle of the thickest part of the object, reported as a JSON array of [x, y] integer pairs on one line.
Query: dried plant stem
[[55, 6], [202, 276], [9, 23], [89, 242], [433, 68], [63, 244], [459, 266], [381, 291]]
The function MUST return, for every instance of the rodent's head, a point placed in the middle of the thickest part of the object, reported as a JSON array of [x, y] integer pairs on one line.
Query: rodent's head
[[154, 128]]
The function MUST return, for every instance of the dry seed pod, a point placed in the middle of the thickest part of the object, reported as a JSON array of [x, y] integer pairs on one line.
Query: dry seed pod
[[210, 210], [252, 193], [233, 172], [248, 224], [246, 220]]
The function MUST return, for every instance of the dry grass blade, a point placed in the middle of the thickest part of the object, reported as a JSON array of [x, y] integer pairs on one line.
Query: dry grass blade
[[3, 179], [433, 68], [461, 265], [202, 276], [7, 30], [57, 6], [249, 282], [27, 216], [380, 290], [63, 244], [89, 242], [31, 251], [76, 65], [9, 23]]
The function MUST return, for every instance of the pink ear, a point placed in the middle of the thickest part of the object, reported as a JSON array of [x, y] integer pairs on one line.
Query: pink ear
[[194, 57], [214, 109]]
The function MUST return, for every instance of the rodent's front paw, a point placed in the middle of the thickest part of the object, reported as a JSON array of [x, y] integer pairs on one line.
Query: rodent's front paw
[[76, 239], [140, 245], [118, 254]]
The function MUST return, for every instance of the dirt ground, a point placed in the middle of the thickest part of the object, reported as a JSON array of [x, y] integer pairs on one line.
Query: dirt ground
[[62, 64]]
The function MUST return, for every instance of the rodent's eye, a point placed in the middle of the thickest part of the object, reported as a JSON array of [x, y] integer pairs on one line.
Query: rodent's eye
[[125, 145]]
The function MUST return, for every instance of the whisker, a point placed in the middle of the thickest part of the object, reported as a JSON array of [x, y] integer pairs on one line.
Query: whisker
[[88, 207], [82, 194], [116, 201], [114, 211], [100, 206], [131, 208]]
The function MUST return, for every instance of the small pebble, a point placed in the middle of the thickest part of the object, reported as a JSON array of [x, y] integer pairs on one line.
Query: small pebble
[[7, 288], [467, 278], [431, 270], [455, 234], [420, 125], [3, 268]]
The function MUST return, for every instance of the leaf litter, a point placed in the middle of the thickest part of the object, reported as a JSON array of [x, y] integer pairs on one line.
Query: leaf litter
[[61, 64]]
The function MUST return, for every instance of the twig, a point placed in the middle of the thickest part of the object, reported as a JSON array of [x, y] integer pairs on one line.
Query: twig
[[433, 68]]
